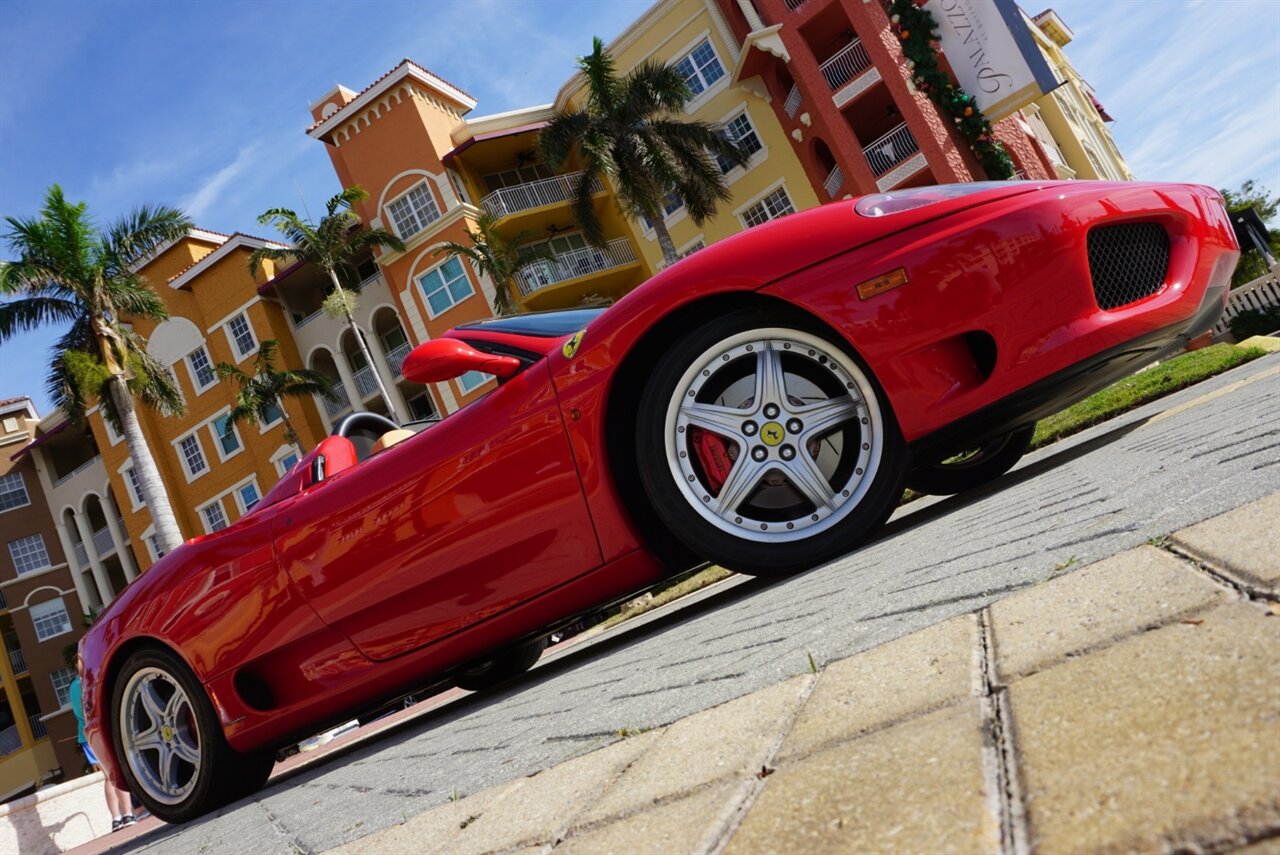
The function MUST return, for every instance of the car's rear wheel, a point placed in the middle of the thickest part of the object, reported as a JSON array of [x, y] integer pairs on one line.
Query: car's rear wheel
[[972, 467], [765, 446], [502, 667], [170, 744]]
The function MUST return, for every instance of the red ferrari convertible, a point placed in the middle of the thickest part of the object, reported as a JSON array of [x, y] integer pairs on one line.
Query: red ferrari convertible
[[761, 405]]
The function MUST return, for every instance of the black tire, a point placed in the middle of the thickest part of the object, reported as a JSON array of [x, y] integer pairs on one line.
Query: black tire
[[186, 725], [504, 666], [744, 521], [985, 464]]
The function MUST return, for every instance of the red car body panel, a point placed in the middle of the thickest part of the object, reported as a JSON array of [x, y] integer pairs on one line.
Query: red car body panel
[[506, 516]]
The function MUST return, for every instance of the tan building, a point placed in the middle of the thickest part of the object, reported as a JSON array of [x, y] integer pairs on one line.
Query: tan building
[[40, 616], [1070, 122]]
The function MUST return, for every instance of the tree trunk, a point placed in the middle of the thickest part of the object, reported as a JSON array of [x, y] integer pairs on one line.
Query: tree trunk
[[364, 350], [168, 535], [669, 254], [290, 435]]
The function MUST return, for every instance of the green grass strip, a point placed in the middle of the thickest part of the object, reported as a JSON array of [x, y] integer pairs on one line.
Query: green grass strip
[[1164, 379]]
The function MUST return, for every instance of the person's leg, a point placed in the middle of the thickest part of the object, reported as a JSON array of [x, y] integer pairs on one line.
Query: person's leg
[[126, 805], [114, 802]]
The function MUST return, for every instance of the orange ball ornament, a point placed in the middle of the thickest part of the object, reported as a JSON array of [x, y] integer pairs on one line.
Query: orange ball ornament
[[906, 34], [968, 111]]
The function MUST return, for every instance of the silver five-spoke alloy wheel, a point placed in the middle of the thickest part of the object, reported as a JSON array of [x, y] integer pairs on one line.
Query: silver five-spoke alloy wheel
[[774, 435], [160, 736]]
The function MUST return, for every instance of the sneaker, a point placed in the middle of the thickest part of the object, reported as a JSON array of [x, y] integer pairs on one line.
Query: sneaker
[[127, 820], [117, 824]]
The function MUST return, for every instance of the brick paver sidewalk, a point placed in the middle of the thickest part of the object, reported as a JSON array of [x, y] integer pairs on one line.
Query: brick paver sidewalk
[[1130, 705]]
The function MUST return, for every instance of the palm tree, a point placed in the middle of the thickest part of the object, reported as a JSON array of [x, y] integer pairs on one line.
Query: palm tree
[[628, 132], [69, 272], [333, 245], [259, 398], [501, 258]]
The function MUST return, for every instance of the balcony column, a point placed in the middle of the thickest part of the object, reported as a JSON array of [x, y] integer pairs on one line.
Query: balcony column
[[105, 592], [398, 408], [348, 381], [119, 539], [753, 17], [73, 563]]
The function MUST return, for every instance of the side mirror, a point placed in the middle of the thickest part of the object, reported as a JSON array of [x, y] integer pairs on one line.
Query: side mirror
[[445, 358]]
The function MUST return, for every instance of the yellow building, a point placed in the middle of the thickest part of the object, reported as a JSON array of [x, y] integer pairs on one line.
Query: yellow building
[[430, 170], [1069, 121]]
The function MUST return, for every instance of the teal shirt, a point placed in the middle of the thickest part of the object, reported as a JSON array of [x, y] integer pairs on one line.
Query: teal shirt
[[77, 708]]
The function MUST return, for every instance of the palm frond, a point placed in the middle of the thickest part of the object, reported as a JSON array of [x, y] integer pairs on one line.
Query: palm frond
[[28, 314], [140, 233]]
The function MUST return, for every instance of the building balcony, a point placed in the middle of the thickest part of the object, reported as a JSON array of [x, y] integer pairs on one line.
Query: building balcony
[[339, 404], [894, 157], [366, 382], [560, 282], [396, 357], [62, 479], [851, 61], [834, 181], [792, 103], [10, 741], [535, 194], [301, 319], [38, 730], [18, 662]]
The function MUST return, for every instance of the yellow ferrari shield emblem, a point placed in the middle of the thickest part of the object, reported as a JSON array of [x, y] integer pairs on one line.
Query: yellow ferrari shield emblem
[[772, 433], [571, 346]]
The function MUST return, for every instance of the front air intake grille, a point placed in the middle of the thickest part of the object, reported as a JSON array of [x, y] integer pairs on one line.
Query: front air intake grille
[[1127, 262]]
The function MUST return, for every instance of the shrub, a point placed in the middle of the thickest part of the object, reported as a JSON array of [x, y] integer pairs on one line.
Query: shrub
[[1255, 322]]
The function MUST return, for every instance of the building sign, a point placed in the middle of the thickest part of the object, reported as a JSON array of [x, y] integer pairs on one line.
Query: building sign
[[993, 55]]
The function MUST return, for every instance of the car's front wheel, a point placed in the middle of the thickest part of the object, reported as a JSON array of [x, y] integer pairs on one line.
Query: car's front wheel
[[765, 445], [170, 744]]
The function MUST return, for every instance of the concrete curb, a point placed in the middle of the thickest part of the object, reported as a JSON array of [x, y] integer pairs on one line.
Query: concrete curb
[[1133, 704]]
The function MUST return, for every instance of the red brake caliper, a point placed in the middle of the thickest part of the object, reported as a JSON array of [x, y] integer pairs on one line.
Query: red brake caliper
[[713, 454]]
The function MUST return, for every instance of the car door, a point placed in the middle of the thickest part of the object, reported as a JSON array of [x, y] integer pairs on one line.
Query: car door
[[459, 523]]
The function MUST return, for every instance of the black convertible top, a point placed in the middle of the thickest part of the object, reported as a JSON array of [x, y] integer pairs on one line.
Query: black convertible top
[[541, 324]]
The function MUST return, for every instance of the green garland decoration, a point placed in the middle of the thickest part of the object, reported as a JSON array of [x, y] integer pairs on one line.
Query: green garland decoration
[[917, 30]]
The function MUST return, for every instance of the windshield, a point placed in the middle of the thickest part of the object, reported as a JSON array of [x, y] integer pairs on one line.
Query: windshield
[[540, 324]]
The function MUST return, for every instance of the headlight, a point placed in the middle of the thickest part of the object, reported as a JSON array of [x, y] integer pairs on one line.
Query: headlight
[[897, 201]]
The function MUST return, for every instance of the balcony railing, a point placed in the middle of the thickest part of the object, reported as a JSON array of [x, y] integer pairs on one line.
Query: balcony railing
[[10, 741], [4, 604], [396, 357], [835, 179], [340, 403], [851, 61], [102, 542], [890, 150], [300, 320], [74, 472], [18, 661], [535, 194], [366, 382], [794, 4], [793, 101], [38, 730], [82, 555], [579, 262]]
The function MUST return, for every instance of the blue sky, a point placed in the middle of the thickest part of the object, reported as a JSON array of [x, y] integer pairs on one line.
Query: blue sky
[[203, 105]]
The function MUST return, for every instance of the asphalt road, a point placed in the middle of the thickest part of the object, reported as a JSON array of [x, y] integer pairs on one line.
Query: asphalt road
[[1170, 464]]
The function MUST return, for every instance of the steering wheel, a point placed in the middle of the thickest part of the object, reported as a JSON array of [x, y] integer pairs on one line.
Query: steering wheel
[[363, 429]]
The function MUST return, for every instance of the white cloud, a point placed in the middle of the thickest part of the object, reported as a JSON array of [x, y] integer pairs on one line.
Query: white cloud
[[207, 194]]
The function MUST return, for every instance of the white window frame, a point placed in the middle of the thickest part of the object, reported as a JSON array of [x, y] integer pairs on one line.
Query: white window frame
[[45, 613], [445, 287], [235, 491], [132, 485], [231, 336], [264, 426], [740, 213], [709, 89], [224, 456], [758, 156], [63, 694], [467, 387], [113, 436], [22, 487], [22, 543], [423, 224], [182, 457], [202, 511], [191, 369]]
